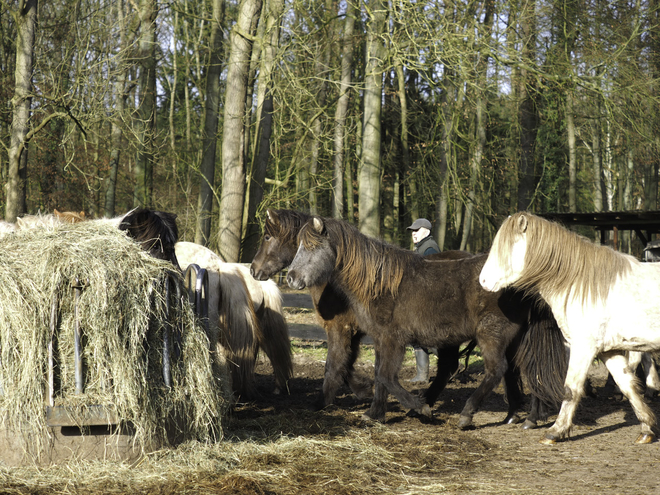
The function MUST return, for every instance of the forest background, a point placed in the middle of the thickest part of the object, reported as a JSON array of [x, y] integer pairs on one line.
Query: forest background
[[378, 111]]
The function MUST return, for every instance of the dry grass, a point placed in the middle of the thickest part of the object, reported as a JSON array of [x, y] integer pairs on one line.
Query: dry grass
[[121, 313]]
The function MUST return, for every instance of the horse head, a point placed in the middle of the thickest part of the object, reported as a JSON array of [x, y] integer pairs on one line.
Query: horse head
[[279, 244], [156, 231], [506, 259], [315, 259]]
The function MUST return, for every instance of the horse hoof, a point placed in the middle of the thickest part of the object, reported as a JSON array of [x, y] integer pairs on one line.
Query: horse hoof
[[645, 438], [425, 411], [529, 425], [514, 419], [368, 419], [548, 440], [465, 423]]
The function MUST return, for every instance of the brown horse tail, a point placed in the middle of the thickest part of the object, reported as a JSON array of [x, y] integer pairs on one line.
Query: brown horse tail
[[240, 328], [275, 335], [542, 355]]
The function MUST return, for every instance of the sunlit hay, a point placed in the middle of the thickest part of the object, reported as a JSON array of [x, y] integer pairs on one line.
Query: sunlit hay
[[121, 315]]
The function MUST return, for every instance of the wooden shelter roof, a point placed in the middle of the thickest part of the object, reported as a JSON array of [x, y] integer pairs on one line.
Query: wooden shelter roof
[[643, 223]]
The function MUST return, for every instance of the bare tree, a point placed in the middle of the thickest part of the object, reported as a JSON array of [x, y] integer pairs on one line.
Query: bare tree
[[209, 140], [342, 109], [17, 172], [264, 125], [370, 166], [233, 166], [146, 112]]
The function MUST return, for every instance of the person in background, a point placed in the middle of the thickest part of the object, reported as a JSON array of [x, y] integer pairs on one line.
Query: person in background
[[424, 245]]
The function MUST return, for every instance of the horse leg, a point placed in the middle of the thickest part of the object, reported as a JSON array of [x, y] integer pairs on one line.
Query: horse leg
[[447, 365], [360, 384], [538, 411], [342, 353], [376, 411], [495, 366], [387, 381], [576, 375], [514, 395], [624, 376], [652, 378]]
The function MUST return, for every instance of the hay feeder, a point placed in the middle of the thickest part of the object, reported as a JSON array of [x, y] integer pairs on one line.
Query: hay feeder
[[101, 353]]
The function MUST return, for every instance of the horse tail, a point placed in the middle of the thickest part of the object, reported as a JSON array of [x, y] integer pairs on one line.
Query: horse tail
[[542, 356], [274, 339], [241, 328]]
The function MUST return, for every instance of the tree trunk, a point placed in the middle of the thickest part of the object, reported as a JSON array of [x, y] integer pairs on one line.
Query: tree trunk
[[369, 176], [17, 172], [120, 105], [342, 111], [264, 127], [572, 159], [210, 138], [597, 169], [480, 125], [233, 166], [528, 116], [146, 112]]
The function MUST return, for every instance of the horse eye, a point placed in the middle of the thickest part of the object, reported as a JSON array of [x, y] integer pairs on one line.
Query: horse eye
[[267, 237]]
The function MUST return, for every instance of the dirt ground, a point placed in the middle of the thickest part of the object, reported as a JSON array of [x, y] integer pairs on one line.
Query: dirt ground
[[601, 456], [278, 445]]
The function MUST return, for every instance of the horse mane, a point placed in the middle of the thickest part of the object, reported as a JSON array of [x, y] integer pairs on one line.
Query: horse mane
[[368, 267], [154, 230], [285, 224], [560, 260]]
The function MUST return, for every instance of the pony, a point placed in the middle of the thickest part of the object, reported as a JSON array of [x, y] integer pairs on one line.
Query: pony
[[244, 315], [234, 322], [69, 216], [277, 250], [605, 304], [155, 231], [400, 297]]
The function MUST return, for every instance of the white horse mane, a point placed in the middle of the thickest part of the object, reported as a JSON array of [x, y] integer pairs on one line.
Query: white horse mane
[[560, 261]]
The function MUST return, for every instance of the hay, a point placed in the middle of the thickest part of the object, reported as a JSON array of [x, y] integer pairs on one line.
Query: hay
[[121, 314]]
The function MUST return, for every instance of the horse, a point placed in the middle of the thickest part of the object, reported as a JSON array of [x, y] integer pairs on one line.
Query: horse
[[244, 315], [234, 323], [69, 216], [156, 231], [277, 250], [605, 304], [400, 297]]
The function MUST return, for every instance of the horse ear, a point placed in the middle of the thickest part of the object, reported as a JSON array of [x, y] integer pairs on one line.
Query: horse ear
[[318, 225], [271, 216], [522, 223]]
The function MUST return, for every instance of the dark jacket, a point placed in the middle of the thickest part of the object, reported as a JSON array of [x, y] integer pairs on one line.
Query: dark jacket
[[427, 246]]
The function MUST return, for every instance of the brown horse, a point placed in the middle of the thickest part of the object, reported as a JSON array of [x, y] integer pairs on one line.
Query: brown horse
[[333, 313], [401, 298]]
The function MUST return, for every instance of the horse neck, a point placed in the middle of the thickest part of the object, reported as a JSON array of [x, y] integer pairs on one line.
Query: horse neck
[[367, 268], [567, 266]]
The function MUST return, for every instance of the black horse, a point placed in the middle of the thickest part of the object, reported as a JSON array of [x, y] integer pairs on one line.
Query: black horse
[[401, 298], [156, 231]]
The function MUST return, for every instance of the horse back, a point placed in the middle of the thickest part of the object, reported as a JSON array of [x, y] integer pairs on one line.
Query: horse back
[[444, 299]]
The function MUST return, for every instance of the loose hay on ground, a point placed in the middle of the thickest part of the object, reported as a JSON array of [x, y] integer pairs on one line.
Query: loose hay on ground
[[121, 314]]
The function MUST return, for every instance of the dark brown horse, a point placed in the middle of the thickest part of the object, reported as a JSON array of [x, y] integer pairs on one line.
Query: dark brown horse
[[276, 252], [401, 298]]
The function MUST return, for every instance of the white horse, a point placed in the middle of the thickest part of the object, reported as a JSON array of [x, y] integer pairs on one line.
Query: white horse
[[605, 302], [244, 315]]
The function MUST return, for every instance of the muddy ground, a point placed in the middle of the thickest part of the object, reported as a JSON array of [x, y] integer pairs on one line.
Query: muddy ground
[[600, 457]]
